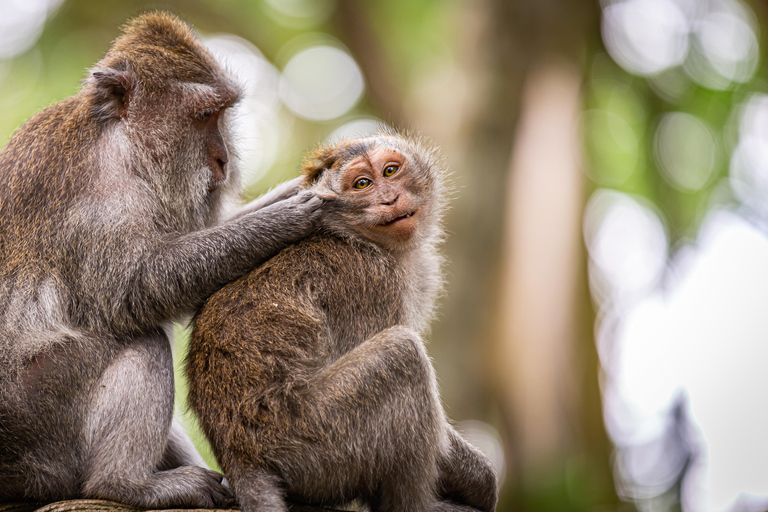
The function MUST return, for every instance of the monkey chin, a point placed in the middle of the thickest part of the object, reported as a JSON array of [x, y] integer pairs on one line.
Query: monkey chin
[[396, 233]]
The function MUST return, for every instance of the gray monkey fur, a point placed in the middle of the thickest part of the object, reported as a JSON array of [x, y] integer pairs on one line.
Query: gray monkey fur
[[112, 225]]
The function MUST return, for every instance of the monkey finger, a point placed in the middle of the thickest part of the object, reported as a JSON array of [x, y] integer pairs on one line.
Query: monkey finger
[[294, 186], [312, 203], [328, 198], [305, 196]]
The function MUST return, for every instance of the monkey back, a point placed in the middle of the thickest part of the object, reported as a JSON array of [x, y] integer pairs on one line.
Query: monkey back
[[271, 329]]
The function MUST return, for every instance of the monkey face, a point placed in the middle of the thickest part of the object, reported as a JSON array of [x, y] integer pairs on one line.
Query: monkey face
[[165, 94], [379, 189], [381, 185], [207, 126], [386, 188]]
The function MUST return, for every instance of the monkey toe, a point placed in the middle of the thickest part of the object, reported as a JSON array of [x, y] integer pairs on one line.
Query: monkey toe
[[204, 488], [216, 489]]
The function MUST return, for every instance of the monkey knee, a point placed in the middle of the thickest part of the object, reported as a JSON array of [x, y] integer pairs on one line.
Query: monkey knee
[[486, 488], [402, 334], [258, 490], [131, 409], [406, 352]]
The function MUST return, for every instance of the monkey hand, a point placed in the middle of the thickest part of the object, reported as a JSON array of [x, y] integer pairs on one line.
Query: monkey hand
[[298, 215]]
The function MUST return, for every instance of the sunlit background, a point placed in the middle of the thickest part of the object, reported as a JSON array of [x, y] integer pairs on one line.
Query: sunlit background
[[604, 336]]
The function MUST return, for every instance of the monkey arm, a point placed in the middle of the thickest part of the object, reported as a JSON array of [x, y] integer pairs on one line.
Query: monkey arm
[[278, 193], [174, 276]]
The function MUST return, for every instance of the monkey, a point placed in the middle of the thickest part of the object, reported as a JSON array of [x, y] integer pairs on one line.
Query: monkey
[[118, 215], [309, 374]]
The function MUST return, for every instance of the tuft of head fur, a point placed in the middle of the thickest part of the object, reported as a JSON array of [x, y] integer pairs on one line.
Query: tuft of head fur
[[156, 49], [160, 47]]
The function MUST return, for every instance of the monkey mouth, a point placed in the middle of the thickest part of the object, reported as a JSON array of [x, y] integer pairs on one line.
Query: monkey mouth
[[399, 219]]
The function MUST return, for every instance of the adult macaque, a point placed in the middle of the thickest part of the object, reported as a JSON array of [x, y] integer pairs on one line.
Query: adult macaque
[[309, 374], [111, 226]]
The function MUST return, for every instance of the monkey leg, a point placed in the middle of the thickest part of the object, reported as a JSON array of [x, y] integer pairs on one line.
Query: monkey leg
[[370, 426], [466, 476], [257, 490], [127, 430], [179, 450]]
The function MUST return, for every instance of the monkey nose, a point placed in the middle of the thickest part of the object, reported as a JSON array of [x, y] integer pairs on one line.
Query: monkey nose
[[390, 201], [219, 169]]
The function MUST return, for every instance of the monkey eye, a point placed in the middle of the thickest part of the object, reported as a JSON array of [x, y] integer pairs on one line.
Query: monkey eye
[[205, 115], [390, 169], [362, 183]]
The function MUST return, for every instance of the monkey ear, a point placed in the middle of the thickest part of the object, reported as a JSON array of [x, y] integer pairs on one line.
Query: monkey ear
[[113, 91], [312, 171], [315, 165]]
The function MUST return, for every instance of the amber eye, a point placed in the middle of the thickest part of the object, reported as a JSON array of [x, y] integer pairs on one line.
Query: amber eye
[[362, 183], [390, 169]]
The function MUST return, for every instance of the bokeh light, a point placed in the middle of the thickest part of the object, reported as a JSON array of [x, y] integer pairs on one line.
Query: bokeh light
[[21, 23], [358, 127], [645, 36], [749, 163], [321, 82], [257, 121], [681, 329], [627, 245], [716, 41], [725, 43], [686, 150]]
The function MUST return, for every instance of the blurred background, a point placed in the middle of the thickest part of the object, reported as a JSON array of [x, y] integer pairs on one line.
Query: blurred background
[[604, 336]]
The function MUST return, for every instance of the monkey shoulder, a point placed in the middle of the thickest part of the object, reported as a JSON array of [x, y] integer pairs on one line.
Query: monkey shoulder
[[322, 265], [38, 177], [353, 285], [65, 122], [330, 267]]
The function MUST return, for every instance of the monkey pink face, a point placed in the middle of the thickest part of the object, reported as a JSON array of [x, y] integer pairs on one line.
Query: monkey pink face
[[381, 185]]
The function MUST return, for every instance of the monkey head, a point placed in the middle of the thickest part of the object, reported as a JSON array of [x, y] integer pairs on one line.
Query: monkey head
[[385, 188], [164, 96]]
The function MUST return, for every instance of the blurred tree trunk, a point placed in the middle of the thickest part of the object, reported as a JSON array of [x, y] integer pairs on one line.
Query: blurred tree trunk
[[517, 289]]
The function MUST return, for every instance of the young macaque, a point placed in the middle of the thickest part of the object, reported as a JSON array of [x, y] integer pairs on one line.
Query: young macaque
[[309, 374]]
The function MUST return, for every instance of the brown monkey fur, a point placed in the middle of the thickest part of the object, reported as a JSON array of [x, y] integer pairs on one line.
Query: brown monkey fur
[[113, 223], [309, 374]]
